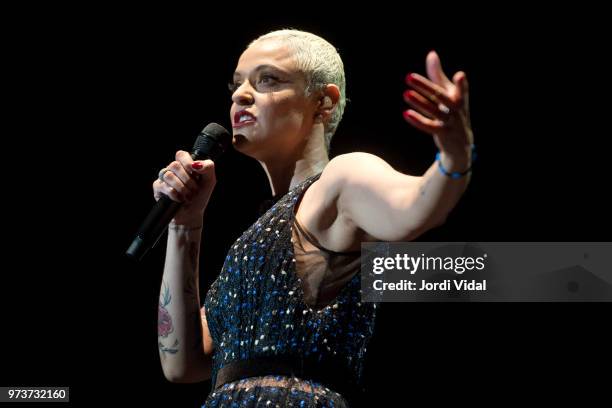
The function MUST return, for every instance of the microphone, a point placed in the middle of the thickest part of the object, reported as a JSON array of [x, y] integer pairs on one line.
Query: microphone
[[210, 144]]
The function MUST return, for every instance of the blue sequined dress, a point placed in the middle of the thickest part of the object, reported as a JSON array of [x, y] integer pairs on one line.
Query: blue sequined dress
[[275, 296]]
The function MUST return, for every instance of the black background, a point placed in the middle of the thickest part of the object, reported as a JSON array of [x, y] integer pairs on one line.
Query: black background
[[101, 98]]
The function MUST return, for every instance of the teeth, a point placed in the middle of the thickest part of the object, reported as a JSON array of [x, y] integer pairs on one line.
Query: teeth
[[245, 118]]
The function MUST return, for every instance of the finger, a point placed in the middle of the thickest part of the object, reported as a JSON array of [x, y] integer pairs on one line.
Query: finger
[[422, 123], [424, 105], [435, 71], [461, 82], [157, 186], [173, 182], [161, 188], [204, 169], [179, 171], [172, 193], [185, 159], [432, 91]]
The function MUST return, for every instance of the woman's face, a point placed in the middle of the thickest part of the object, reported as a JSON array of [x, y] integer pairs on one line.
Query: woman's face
[[269, 113]]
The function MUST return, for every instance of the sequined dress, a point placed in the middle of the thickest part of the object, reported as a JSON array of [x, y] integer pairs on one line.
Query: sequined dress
[[275, 297]]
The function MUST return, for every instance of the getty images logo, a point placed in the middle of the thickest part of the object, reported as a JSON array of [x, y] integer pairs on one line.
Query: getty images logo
[[414, 264]]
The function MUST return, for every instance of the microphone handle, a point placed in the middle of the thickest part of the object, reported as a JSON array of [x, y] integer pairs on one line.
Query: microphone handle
[[156, 223]]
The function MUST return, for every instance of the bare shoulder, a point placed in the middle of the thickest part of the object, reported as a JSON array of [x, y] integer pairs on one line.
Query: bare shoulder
[[355, 167]]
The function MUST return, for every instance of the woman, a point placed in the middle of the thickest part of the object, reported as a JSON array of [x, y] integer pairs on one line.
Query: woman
[[283, 324]]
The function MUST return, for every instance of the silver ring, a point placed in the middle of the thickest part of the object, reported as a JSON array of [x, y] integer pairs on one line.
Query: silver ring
[[163, 171], [444, 109]]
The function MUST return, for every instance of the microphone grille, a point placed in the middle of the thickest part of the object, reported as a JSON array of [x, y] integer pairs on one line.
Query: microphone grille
[[216, 132]]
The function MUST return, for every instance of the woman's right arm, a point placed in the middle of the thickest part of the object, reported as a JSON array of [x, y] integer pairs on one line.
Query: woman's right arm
[[185, 345]]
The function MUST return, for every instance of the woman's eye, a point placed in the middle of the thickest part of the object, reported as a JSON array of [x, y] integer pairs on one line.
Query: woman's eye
[[263, 80], [267, 79]]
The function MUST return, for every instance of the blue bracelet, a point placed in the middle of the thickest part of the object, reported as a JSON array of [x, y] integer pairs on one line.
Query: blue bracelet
[[456, 174]]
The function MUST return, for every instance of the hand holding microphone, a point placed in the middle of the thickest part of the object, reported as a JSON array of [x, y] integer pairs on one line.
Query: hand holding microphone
[[183, 189], [187, 181]]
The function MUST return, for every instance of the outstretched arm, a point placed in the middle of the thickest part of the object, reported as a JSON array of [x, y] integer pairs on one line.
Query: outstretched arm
[[391, 206]]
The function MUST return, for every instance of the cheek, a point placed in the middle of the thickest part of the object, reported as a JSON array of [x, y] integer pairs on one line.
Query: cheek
[[286, 112], [288, 119]]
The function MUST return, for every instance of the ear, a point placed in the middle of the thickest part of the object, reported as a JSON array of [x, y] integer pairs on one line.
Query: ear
[[327, 102]]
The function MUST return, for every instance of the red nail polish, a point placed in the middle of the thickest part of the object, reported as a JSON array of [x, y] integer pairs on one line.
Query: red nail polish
[[408, 95], [407, 115], [197, 165], [410, 77]]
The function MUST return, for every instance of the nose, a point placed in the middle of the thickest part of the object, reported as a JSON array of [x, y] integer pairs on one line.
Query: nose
[[243, 95]]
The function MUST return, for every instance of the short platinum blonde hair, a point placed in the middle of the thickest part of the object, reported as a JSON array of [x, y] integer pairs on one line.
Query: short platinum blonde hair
[[321, 64]]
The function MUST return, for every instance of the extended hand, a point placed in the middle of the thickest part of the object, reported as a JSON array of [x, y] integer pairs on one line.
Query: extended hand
[[441, 108]]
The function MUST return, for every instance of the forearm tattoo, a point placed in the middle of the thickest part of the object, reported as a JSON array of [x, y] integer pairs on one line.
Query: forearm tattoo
[[164, 322]]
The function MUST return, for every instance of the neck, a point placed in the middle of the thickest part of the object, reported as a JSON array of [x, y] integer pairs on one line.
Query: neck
[[286, 172]]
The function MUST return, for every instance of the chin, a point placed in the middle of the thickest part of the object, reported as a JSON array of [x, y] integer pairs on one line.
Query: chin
[[238, 139], [242, 144]]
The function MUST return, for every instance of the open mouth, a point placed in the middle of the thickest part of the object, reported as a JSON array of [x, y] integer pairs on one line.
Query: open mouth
[[243, 118]]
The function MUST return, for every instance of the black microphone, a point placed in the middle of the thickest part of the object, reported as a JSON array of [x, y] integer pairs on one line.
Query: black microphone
[[210, 144]]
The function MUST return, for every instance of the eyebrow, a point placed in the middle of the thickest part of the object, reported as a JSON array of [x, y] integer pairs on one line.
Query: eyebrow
[[262, 67]]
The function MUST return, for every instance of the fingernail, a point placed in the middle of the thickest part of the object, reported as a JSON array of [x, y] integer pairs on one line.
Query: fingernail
[[407, 95], [407, 114], [409, 77], [196, 165]]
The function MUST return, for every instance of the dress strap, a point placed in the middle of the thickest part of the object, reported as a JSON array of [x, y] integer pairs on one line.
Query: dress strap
[[309, 237], [312, 240]]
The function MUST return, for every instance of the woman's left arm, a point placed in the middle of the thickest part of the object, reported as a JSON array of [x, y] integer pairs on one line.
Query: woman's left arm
[[391, 206]]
